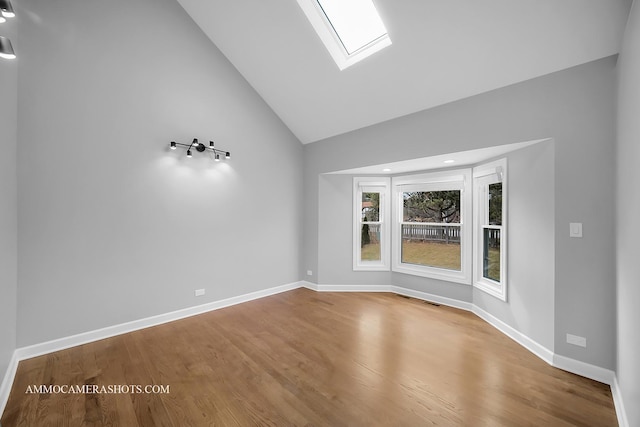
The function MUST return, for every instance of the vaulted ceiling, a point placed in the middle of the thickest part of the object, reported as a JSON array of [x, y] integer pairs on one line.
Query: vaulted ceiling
[[442, 51]]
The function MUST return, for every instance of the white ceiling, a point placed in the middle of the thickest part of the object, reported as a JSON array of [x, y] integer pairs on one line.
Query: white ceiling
[[442, 51], [451, 160]]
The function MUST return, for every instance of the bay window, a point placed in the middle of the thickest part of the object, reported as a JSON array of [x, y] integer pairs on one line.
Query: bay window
[[447, 225]]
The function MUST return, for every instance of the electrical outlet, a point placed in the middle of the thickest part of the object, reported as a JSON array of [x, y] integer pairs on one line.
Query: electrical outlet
[[576, 340], [309, 273], [199, 292]]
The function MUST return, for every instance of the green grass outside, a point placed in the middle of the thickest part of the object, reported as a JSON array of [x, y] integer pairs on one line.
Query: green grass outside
[[371, 252], [440, 255], [494, 264], [432, 254]]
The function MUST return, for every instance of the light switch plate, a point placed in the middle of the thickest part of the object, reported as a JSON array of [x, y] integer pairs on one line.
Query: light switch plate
[[575, 229]]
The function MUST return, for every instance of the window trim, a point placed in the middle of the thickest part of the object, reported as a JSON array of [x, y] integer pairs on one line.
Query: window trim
[[435, 181], [483, 176], [323, 27], [382, 185]]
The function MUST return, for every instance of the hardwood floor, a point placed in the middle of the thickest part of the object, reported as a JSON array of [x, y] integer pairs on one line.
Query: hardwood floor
[[303, 358]]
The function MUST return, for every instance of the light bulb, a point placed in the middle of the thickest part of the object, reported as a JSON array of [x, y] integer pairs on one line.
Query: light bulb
[[217, 157], [6, 50], [173, 145], [227, 156], [7, 9], [188, 153]]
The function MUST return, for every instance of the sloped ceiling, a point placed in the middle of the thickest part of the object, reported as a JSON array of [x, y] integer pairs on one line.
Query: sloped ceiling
[[443, 50]]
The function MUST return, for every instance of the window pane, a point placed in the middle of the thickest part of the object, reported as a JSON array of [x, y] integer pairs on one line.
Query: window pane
[[431, 245], [431, 206], [370, 242], [491, 254], [370, 207], [356, 22], [495, 204]]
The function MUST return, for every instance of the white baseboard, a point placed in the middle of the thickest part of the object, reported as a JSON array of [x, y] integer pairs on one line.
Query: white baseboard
[[617, 401], [351, 288], [450, 302], [534, 347], [390, 288], [580, 368], [110, 331], [577, 367], [7, 381], [309, 285]]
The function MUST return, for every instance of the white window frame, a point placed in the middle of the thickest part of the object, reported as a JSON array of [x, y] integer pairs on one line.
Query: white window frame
[[484, 175], [330, 39], [459, 179], [372, 185]]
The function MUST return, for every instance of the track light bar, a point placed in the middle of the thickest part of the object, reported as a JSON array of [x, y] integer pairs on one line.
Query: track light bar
[[200, 147]]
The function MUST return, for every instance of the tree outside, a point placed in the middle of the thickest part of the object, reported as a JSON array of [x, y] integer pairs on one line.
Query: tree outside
[[495, 204], [432, 206]]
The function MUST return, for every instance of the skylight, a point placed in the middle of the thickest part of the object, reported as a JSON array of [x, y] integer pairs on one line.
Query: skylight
[[355, 22], [351, 30]]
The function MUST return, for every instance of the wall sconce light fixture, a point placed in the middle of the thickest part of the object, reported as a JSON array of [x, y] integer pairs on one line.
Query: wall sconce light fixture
[[200, 147]]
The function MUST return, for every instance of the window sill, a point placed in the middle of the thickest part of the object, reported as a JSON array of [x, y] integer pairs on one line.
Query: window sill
[[372, 267], [433, 273], [494, 289]]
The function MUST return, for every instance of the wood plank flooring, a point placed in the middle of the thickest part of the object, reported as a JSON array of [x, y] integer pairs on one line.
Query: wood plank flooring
[[303, 358]]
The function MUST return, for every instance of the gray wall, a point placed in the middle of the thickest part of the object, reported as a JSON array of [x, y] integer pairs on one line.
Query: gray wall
[[530, 246], [628, 233], [8, 200], [113, 225], [577, 108]]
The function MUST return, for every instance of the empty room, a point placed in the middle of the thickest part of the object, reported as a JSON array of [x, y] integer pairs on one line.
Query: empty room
[[319, 213]]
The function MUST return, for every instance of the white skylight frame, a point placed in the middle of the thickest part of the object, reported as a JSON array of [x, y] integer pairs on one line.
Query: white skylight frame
[[318, 17]]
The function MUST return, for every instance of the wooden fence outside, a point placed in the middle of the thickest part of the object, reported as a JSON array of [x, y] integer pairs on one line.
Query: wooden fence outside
[[422, 233], [431, 233], [434, 233], [492, 237], [374, 233]]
